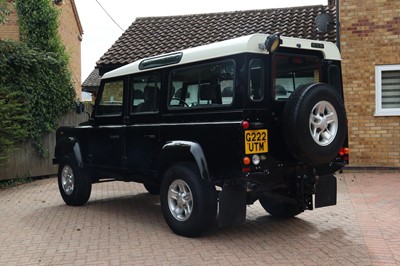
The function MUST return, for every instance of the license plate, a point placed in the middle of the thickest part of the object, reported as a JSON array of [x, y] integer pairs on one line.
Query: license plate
[[256, 141]]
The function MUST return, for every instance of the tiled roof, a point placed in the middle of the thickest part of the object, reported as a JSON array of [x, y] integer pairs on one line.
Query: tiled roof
[[92, 82], [150, 36]]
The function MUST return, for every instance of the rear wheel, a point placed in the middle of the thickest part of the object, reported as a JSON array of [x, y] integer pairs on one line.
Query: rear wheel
[[74, 187], [188, 203], [278, 208]]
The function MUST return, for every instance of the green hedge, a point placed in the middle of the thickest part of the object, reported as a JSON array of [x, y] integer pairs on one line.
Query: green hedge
[[39, 88], [35, 82], [4, 11]]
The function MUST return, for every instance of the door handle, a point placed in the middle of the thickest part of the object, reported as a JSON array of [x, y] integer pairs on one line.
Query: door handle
[[150, 136], [114, 136]]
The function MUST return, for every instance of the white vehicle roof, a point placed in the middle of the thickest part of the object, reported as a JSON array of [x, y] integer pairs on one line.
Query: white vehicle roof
[[244, 44]]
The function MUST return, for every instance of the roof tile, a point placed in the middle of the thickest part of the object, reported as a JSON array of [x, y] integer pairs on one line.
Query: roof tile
[[148, 36]]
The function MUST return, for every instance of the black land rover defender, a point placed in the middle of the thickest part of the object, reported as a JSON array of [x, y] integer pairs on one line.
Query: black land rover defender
[[215, 128]]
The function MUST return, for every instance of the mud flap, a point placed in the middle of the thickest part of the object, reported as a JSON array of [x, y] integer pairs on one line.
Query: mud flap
[[326, 191], [232, 205]]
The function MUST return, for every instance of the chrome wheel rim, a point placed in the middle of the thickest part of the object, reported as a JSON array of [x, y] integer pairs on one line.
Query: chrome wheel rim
[[323, 123], [67, 180], [180, 200]]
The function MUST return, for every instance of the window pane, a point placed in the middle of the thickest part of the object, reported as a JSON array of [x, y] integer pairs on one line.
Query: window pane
[[145, 90], [256, 80], [291, 72], [111, 99], [205, 85], [390, 89]]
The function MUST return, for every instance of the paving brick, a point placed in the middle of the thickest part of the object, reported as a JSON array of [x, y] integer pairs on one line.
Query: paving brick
[[123, 225]]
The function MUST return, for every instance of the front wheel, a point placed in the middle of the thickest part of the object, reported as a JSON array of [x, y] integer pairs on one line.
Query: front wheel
[[188, 203], [75, 188]]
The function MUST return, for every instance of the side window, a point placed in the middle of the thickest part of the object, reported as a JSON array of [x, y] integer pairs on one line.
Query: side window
[[256, 80], [334, 78], [111, 99], [145, 90], [292, 71], [206, 85]]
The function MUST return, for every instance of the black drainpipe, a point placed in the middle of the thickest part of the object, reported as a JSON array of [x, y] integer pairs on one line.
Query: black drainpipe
[[337, 25]]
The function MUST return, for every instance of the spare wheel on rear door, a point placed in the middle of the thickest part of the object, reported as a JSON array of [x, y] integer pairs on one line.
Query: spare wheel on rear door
[[315, 125]]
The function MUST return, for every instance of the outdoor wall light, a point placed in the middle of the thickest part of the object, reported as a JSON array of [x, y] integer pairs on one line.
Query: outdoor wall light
[[272, 42], [57, 2]]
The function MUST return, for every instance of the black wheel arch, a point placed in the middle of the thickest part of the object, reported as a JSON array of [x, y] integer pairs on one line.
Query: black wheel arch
[[68, 146], [182, 151]]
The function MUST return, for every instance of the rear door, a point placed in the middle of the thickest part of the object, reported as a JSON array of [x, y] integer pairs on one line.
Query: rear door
[[142, 133]]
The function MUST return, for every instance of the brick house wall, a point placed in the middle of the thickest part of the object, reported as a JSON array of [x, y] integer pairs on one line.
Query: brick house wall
[[370, 37], [70, 32]]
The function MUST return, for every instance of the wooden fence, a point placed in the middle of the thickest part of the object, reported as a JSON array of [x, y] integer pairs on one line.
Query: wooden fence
[[24, 161]]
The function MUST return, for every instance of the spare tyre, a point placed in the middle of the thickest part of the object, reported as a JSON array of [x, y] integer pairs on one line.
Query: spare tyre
[[315, 123]]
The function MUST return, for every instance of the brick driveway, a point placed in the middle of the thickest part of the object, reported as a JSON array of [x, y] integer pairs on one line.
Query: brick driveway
[[123, 225]]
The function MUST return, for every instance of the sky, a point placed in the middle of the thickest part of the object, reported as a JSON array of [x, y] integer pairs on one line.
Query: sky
[[100, 32]]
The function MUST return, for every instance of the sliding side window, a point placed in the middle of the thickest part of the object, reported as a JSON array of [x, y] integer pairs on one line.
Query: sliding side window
[[209, 85]]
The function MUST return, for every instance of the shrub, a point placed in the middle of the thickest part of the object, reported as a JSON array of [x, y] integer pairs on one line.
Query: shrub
[[35, 82]]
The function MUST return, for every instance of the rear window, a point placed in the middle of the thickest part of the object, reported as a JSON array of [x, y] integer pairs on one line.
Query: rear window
[[293, 71]]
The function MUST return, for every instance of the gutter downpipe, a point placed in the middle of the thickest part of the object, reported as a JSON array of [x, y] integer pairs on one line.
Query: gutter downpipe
[[337, 25]]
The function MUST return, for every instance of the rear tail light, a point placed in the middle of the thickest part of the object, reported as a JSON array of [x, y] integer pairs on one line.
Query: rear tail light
[[245, 124], [344, 151]]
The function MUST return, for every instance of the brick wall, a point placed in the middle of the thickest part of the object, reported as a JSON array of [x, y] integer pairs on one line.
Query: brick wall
[[370, 36], [71, 36], [70, 32]]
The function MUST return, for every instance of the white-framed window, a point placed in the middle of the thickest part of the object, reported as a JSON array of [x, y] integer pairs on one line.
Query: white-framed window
[[387, 82]]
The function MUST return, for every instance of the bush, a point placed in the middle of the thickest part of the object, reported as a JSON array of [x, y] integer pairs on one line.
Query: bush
[[35, 86], [13, 117], [4, 11], [35, 82]]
